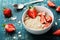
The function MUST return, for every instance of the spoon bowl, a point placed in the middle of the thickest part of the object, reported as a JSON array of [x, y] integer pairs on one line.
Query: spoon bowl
[[18, 6]]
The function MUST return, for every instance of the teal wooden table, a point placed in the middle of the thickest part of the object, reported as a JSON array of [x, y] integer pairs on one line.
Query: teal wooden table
[[21, 33]]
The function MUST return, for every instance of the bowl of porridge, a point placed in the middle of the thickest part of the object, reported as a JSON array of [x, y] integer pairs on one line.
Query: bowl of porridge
[[37, 19]]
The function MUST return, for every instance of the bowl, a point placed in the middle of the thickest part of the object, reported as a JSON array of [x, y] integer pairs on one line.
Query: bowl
[[34, 31]]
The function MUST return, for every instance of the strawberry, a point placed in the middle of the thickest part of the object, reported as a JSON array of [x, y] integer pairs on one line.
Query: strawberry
[[57, 32], [10, 28], [42, 17], [7, 12], [58, 9], [42, 20], [46, 24], [32, 12], [48, 19], [41, 13], [51, 4]]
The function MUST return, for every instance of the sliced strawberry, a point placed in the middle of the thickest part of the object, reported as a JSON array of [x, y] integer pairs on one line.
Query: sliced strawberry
[[49, 19], [42, 16], [10, 28], [41, 13], [58, 9], [57, 32], [32, 12], [42, 19], [46, 24], [51, 4], [7, 12]]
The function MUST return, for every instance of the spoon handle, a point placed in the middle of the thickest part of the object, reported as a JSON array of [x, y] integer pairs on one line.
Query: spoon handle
[[33, 2]]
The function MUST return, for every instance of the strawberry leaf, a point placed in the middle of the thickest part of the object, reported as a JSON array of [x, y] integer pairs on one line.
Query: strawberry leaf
[[3, 25]]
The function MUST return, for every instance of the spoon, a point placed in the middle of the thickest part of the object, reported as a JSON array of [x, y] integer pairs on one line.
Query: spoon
[[21, 6]]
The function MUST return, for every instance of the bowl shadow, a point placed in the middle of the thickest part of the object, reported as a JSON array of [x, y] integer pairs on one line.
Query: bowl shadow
[[46, 36]]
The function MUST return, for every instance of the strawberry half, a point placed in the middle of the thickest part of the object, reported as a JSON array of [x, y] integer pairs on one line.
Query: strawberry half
[[57, 32], [58, 9], [10, 28], [32, 12], [7, 12], [51, 4]]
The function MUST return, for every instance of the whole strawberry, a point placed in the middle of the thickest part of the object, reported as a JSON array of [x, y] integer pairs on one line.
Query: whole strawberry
[[9, 28], [7, 12], [32, 12]]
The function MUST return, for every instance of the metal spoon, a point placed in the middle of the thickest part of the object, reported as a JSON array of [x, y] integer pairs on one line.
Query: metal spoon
[[20, 6]]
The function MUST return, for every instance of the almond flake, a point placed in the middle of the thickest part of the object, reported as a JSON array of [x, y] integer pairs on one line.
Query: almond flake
[[19, 22], [56, 23], [13, 18], [14, 37], [19, 35], [19, 32], [58, 19]]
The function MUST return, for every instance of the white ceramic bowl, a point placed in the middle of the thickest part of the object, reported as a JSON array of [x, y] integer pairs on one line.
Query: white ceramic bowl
[[34, 31]]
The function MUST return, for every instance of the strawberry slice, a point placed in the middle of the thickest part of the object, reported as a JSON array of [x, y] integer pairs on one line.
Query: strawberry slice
[[58, 9], [32, 12], [42, 20], [51, 4], [57, 32], [41, 13], [42, 16], [49, 19], [46, 24]]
